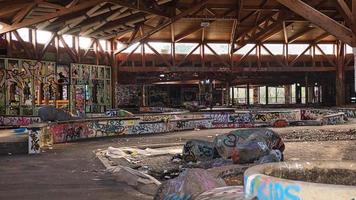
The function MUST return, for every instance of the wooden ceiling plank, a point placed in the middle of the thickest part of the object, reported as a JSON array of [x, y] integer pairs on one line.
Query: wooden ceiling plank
[[23, 13], [305, 30]]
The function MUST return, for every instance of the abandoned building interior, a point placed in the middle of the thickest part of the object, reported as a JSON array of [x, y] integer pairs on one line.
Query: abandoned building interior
[[178, 99]]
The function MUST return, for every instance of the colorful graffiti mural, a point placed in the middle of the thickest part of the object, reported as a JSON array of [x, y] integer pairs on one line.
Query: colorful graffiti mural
[[127, 95], [333, 119], [72, 131], [173, 125], [349, 112], [18, 120], [34, 136]]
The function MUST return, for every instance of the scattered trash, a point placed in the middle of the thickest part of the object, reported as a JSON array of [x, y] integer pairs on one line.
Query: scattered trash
[[188, 185], [144, 183]]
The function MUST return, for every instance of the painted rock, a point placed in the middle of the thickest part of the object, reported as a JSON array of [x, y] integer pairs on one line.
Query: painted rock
[[199, 150], [279, 123], [249, 152], [225, 144], [50, 113], [188, 185]]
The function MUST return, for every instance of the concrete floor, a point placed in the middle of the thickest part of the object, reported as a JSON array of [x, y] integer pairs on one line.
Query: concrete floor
[[71, 171]]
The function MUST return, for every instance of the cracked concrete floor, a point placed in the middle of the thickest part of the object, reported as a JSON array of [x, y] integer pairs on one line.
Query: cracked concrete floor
[[71, 171]]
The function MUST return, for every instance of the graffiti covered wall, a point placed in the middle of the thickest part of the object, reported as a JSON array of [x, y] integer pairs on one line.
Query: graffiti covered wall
[[18, 120], [81, 129], [172, 125], [127, 95]]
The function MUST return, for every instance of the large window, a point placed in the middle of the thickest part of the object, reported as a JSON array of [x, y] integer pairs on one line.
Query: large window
[[68, 39], [247, 48], [84, 42], [328, 49], [348, 49], [185, 48], [296, 49], [160, 47], [24, 33], [219, 48], [43, 36], [276, 49], [133, 47], [276, 95], [262, 94]]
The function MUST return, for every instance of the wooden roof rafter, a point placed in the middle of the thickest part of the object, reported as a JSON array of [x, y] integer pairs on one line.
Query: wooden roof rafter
[[192, 9]]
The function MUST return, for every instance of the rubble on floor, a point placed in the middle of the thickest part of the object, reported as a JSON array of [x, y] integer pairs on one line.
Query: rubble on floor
[[198, 167]]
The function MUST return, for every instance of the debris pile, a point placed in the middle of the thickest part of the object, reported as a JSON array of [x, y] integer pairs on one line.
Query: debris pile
[[242, 146], [199, 170]]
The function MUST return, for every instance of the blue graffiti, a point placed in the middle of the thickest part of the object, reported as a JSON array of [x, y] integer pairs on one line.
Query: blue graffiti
[[276, 191]]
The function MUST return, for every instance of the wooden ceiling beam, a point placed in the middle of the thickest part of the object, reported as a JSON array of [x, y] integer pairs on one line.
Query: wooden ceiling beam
[[8, 9], [235, 25], [51, 5], [139, 5], [64, 11], [320, 19], [122, 23], [345, 11], [70, 24], [167, 23], [23, 13]]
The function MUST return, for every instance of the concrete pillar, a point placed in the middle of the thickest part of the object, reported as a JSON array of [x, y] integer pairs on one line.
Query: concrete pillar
[[306, 89], [287, 94], [266, 95], [233, 95], [227, 94], [248, 94], [143, 96], [256, 95], [298, 93]]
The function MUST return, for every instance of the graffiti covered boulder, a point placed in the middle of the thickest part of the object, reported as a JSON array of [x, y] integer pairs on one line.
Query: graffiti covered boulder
[[199, 150], [244, 140]]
